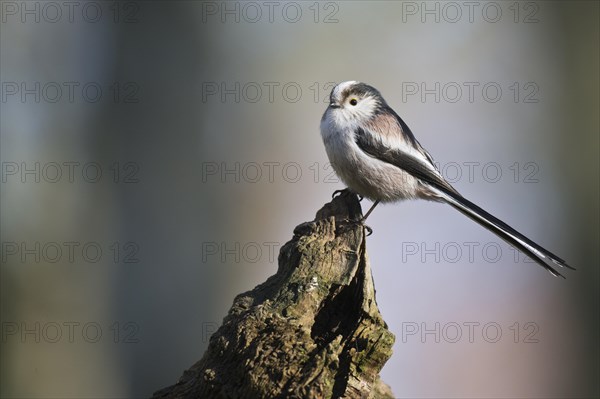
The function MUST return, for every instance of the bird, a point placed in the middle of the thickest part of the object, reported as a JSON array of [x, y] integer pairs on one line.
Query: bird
[[374, 152]]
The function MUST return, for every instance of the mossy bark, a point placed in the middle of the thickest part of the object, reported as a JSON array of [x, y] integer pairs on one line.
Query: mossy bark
[[312, 330]]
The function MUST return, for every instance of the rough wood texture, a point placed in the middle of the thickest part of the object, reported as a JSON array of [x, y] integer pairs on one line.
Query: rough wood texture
[[312, 330]]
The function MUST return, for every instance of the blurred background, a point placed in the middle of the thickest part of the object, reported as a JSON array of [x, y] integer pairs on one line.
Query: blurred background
[[156, 155]]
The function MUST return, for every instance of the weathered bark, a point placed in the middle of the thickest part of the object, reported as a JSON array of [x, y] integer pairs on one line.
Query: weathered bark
[[312, 330]]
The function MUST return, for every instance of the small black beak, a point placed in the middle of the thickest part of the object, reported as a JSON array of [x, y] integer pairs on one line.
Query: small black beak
[[334, 105]]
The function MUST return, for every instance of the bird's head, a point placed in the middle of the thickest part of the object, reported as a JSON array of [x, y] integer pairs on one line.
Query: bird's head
[[353, 101]]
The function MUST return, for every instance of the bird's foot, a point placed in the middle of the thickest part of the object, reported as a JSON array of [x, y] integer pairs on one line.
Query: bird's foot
[[338, 192], [361, 223], [365, 226]]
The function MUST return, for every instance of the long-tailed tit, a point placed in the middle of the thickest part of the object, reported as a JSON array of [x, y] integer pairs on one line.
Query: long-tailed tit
[[374, 152]]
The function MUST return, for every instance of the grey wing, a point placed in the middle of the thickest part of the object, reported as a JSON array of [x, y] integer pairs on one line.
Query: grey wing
[[431, 178], [421, 167]]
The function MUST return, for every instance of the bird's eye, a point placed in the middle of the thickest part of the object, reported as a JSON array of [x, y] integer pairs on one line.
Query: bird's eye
[[353, 101]]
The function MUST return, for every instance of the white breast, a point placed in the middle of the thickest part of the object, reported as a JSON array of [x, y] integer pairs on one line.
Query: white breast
[[362, 173]]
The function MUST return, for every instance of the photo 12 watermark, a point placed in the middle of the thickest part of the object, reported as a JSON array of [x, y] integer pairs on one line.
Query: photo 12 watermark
[[453, 332], [252, 12], [470, 92], [466, 252], [72, 12], [72, 172], [267, 172], [52, 332], [69, 92], [265, 92], [452, 12], [70, 252], [239, 252]]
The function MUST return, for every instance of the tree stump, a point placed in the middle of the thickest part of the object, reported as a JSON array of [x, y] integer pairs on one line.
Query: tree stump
[[312, 330]]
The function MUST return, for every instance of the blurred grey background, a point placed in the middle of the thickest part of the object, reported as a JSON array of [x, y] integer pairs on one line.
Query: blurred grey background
[[156, 155]]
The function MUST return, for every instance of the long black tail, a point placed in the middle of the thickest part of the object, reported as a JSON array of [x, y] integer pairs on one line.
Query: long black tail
[[510, 235]]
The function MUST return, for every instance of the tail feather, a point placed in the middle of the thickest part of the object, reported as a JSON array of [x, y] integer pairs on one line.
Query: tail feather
[[510, 235]]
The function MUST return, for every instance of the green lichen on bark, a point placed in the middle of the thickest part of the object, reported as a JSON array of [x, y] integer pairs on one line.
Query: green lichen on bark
[[312, 330]]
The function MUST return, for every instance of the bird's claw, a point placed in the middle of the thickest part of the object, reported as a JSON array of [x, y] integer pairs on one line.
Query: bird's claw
[[364, 225], [353, 222], [337, 192]]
